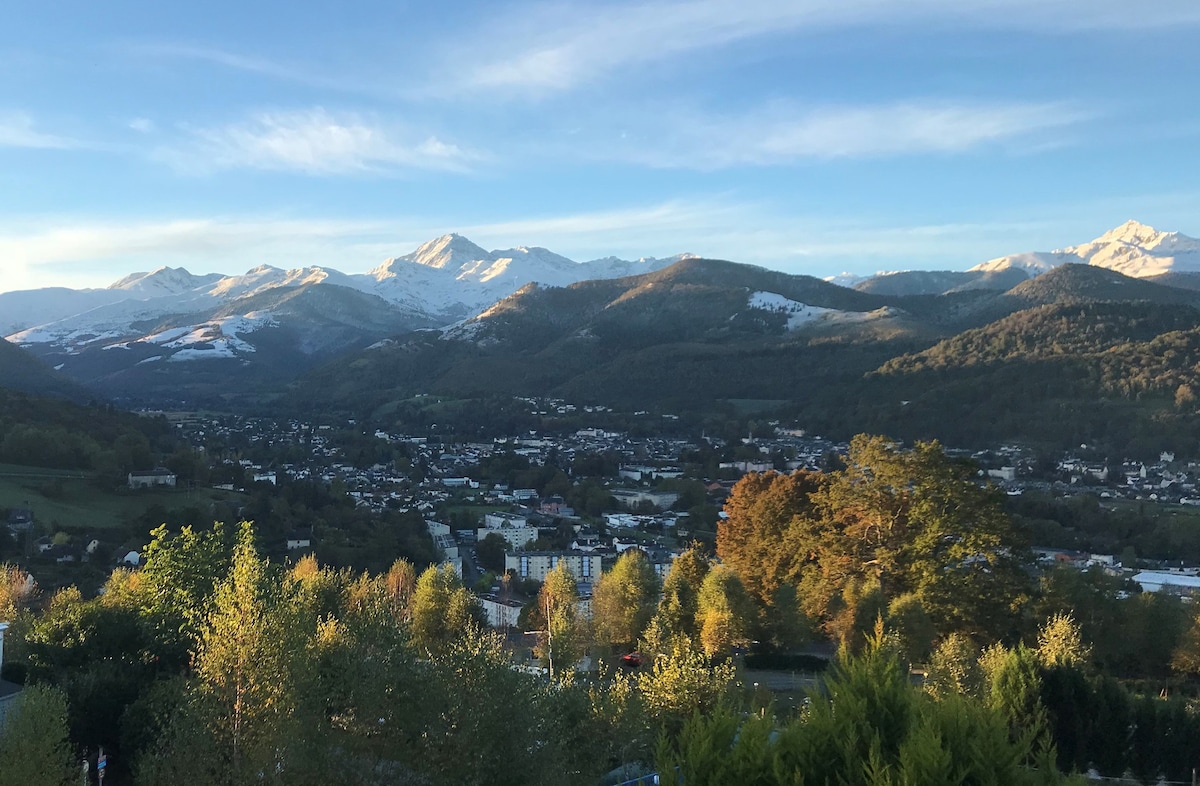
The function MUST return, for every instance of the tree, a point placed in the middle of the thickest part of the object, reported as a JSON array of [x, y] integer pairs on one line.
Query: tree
[[869, 727], [97, 652], [1060, 644], [177, 580], [242, 664], [490, 552], [890, 523], [1013, 686], [623, 600], [723, 612], [767, 535], [558, 603], [442, 609], [1108, 745], [682, 682], [917, 521], [676, 613], [401, 583], [16, 590], [954, 668], [34, 750]]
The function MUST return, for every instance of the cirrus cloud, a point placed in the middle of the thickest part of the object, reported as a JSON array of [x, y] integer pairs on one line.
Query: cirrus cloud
[[17, 129], [785, 133], [315, 142], [561, 46]]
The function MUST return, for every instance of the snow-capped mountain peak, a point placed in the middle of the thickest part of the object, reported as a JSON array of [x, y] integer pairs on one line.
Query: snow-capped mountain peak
[[444, 279], [447, 251], [1133, 248], [163, 281], [1134, 233]]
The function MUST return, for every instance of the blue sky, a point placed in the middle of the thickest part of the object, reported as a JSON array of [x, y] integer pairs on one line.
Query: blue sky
[[811, 136]]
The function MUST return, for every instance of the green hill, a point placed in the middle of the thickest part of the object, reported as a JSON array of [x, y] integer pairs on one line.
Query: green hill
[[21, 371], [1079, 354]]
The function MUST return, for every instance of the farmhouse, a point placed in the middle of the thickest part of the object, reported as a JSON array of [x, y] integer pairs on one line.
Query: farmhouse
[[160, 476]]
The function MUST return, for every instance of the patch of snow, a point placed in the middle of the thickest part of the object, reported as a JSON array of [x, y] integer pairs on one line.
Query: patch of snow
[[168, 335], [799, 314], [216, 353]]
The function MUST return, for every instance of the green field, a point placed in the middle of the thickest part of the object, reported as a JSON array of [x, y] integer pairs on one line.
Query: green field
[[69, 500]]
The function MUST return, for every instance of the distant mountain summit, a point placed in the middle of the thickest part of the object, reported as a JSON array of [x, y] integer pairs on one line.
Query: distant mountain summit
[[443, 280], [140, 333], [163, 281], [1133, 249]]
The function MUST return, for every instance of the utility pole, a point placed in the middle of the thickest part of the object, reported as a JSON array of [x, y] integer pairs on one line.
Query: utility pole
[[549, 641]]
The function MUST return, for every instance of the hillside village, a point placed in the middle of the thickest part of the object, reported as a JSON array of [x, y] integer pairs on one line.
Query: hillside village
[[653, 493]]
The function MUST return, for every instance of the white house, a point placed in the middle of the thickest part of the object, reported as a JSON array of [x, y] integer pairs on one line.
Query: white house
[[154, 477]]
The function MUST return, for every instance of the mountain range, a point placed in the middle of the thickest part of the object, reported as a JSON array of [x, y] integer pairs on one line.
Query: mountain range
[[1132, 249], [894, 353], [139, 333]]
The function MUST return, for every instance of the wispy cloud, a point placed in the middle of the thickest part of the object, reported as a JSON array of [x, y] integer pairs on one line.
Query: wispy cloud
[[314, 142], [79, 252], [17, 129], [310, 72], [82, 252], [552, 48], [239, 62], [784, 134]]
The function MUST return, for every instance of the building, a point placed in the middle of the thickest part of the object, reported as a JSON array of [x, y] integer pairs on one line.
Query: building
[[513, 528], [632, 498], [148, 479], [502, 614], [20, 519], [536, 564], [1170, 583]]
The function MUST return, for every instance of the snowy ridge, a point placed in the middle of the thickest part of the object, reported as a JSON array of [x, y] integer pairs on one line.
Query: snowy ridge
[[222, 338], [453, 277], [163, 281], [1132, 249], [444, 280]]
